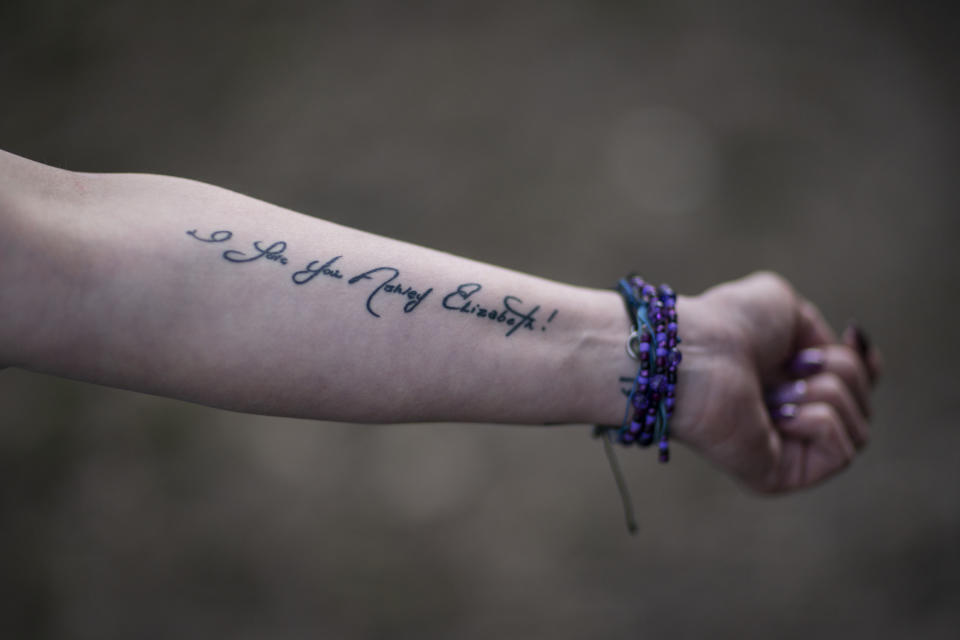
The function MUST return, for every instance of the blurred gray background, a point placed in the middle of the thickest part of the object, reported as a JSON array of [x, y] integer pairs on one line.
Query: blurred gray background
[[694, 142]]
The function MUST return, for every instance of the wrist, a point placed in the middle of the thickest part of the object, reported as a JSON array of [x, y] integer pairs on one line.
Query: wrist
[[610, 370], [696, 324], [604, 363]]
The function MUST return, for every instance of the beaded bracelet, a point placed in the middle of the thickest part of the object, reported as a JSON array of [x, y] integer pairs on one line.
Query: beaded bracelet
[[653, 342]]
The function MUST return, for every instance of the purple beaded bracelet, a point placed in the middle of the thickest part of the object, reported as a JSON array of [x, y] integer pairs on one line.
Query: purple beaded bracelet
[[653, 343], [650, 403]]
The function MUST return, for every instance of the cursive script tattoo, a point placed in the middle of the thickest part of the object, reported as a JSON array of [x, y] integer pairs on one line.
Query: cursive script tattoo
[[511, 312], [273, 252], [315, 269], [216, 236], [414, 297], [510, 315]]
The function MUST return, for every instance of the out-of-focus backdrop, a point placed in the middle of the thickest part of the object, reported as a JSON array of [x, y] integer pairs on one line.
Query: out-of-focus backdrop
[[692, 141]]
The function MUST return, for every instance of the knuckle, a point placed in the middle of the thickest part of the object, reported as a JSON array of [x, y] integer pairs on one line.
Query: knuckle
[[772, 280], [848, 370], [831, 388], [847, 363], [827, 415]]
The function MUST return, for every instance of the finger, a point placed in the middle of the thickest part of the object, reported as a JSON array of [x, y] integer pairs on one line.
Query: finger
[[847, 365], [812, 329], [840, 360], [823, 387], [857, 339], [815, 445]]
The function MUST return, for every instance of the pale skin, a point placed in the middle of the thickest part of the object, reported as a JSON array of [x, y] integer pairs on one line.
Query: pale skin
[[155, 284]]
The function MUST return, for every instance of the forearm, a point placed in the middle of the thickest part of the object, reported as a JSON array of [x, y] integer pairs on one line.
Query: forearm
[[182, 289]]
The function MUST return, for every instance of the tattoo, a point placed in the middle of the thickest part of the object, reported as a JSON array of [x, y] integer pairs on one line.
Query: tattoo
[[511, 312], [216, 236], [413, 296], [311, 271], [273, 252], [460, 300]]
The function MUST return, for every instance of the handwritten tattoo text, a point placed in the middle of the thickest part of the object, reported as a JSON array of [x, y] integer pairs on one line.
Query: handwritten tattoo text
[[414, 297], [511, 312], [315, 269]]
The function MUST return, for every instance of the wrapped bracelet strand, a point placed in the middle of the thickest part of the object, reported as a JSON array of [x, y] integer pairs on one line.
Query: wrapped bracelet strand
[[653, 342]]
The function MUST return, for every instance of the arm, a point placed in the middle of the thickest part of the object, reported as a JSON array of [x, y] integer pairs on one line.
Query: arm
[[124, 280], [182, 289]]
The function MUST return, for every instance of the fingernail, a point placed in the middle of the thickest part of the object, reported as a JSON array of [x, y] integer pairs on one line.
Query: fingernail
[[790, 392], [784, 411], [861, 339], [808, 362]]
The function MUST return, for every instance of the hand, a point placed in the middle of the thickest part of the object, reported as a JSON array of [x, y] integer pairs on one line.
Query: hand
[[766, 390]]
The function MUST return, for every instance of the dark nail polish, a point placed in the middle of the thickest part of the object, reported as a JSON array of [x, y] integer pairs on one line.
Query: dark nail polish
[[808, 362], [861, 339]]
